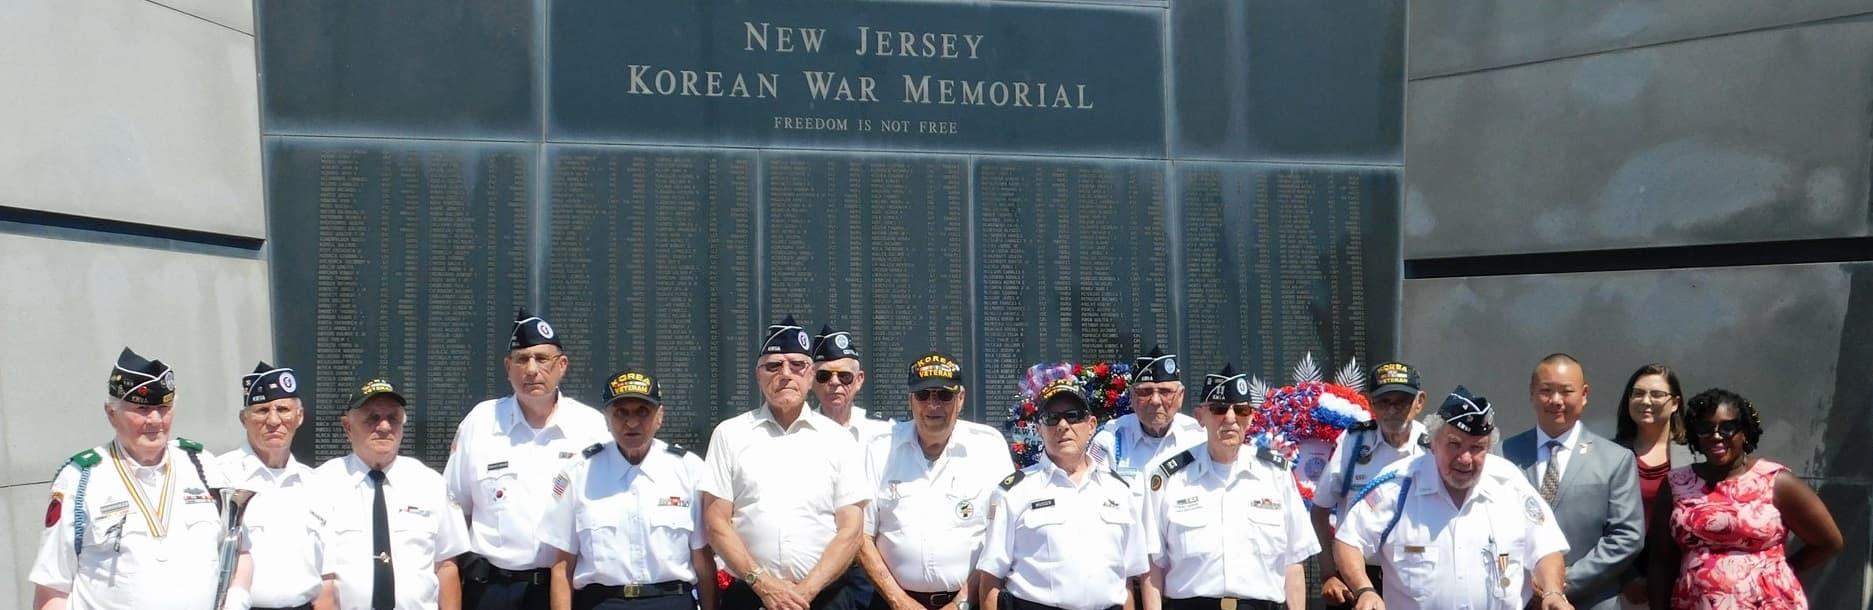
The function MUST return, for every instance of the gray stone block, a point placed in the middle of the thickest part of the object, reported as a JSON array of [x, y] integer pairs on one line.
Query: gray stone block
[[1460, 35], [1796, 340], [1284, 80], [1758, 136], [129, 111], [204, 315], [424, 68]]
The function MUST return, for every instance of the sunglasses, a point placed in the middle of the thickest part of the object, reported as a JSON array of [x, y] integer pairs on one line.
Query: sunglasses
[[1072, 416], [791, 365], [936, 394], [826, 375], [1724, 430], [1242, 409]]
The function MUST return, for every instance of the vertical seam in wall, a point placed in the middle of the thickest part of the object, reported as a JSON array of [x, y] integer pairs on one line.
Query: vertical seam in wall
[[1404, 130], [266, 181], [542, 209], [759, 195], [971, 259]]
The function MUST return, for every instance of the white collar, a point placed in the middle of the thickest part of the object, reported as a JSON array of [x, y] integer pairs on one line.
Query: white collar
[[250, 464], [1568, 438], [507, 413]]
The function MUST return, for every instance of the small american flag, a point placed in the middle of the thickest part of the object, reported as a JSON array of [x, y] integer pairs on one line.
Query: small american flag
[[559, 484]]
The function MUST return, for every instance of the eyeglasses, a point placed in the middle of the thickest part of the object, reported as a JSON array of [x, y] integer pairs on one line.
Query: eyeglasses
[[1072, 416], [1162, 392], [796, 367], [1242, 409], [1722, 430], [544, 360], [826, 375], [1655, 395], [936, 394]]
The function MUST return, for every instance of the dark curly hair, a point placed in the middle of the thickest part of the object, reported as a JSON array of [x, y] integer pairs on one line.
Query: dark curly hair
[[1627, 431], [1705, 403]]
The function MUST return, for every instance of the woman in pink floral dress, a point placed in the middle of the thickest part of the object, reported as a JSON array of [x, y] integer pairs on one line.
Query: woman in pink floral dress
[[1729, 515]]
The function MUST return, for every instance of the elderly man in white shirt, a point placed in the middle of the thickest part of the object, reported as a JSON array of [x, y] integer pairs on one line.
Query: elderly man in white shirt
[[395, 535], [290, 571], [933, 477], [784, 502]]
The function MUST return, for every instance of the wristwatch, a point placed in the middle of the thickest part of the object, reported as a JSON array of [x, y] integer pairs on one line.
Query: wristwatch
[[963, 605], [754, 575]]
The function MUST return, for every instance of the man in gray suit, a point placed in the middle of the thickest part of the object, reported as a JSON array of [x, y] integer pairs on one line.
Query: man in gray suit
[[1592, 483]]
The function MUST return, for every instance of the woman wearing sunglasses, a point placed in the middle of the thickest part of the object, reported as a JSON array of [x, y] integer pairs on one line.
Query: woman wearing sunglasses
[[1729, 515]]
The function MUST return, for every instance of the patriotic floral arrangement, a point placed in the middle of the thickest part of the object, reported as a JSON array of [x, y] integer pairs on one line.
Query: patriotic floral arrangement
[[1303, 421], [1103, 382]]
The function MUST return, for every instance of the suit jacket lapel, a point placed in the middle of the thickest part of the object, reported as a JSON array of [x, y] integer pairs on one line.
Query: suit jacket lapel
[[1584, 448]]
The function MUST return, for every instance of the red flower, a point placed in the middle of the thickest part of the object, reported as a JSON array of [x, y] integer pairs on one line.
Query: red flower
[[1118, 382], [722, 580], [1112, 396], [1027, 408], [1102, 369], [1020, 446], [1077, 370]]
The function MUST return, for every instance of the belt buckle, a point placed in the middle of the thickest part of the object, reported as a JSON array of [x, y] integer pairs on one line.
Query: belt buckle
[[631, 591], [941, 599], [1229, 603]]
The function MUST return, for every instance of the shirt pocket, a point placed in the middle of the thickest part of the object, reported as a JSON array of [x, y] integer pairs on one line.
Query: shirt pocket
[[1043, 534], [1192, 538], [413, 535], [1417, 567]]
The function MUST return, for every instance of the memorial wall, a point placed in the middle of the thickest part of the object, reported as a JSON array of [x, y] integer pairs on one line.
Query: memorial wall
[[1012, 182]]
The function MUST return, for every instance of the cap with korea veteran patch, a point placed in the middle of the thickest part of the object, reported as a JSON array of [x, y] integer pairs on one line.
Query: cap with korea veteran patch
[[1390, 377], [269, 383], [141, 381], [374, 388], [1063, 390], [1471, 414], [935, 370], [632, 384]]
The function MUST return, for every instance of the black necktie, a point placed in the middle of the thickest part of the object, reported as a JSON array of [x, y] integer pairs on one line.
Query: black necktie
[[383, 583]]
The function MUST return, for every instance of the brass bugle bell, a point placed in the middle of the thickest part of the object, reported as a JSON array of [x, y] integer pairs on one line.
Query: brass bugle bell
[[233, 508]]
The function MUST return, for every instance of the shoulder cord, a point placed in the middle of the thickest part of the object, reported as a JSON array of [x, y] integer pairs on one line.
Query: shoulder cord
[[1352, 459]]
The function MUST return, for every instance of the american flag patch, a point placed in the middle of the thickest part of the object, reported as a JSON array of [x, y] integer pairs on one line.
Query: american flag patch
[[559, 484]]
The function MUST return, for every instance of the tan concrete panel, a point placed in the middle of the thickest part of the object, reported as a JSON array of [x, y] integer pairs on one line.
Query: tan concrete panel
[[128, 110]]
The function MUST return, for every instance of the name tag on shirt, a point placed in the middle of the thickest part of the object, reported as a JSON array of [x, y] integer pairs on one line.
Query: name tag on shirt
[[416, 511], [673, 501], [1041, 504], [565, 454], [1190, 503], [1414, 549], [115, 508], [1266, 504], [497, 466]]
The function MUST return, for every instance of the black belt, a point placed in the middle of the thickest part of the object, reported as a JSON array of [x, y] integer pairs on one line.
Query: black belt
[[1222, 603], [658, 589], [536, 576], [1022, 604], [304, 606], [933, 601]]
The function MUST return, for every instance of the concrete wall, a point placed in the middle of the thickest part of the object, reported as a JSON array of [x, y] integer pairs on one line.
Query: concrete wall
[[1721, 148], [130, 214]]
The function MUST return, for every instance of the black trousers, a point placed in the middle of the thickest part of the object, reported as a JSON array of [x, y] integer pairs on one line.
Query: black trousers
[[1374, 574], [740, 596], [859, 587], [930, 601], [1010, 602], [1212, 603], [598, 598], [503, 590]]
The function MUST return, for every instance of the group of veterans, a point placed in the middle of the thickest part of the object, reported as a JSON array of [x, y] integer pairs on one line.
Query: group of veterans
[[546, 502]]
